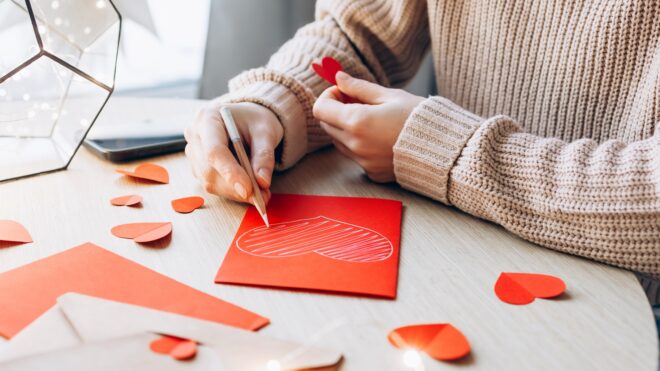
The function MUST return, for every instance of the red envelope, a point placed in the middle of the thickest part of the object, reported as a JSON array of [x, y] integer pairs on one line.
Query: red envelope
[[30, 290], [321, 243]]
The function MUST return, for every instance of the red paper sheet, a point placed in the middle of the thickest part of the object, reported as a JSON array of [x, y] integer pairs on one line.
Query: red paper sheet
[[30, 290], [337, 244]]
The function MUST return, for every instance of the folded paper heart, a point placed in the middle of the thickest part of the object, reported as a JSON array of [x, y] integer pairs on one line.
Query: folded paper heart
[[523, 288], [178, 348], [11, 231], [130, 200], [441, 341], [187, 204], [323, 236], [143, 232], [148, 171], [327, 70]]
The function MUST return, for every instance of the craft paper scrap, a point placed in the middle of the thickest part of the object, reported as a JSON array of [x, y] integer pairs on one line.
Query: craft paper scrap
[[130, 200], [29, 291], [143, 232], [12, 231], [177, 348], [441, 341], [523, 288], [148, 171], [187, 204], [328, 70], [319, 243]]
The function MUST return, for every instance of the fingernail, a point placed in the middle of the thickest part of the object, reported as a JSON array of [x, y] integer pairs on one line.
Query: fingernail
[[264, 174], [238, 187], [342, 75]]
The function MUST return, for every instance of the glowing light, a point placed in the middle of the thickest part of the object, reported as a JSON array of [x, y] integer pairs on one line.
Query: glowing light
[[58, 21], [26, 97], [412, 359], [87, 30], [55, 4], [54, 116], [3, 92], [31, 114], [273, 365], [84, 122], [45, 106], [100, 4]]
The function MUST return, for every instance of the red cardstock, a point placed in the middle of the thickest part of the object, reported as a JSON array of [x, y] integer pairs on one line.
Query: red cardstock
[[320, 243], [30, 290]]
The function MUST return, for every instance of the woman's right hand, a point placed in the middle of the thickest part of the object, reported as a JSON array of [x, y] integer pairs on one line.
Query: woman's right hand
[[212, 160]]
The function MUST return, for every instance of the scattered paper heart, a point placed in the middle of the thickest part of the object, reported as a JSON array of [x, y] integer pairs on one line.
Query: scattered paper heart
[[523, 288], [187, 204], [148, 171], [441, 341], [11, 231], [143, 232], [130, 200], [177, 348]]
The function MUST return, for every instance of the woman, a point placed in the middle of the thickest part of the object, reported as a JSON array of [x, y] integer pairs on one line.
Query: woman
[[548, 119]]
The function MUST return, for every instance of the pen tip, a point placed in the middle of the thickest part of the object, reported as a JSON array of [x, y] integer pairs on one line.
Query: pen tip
[[266, 221]]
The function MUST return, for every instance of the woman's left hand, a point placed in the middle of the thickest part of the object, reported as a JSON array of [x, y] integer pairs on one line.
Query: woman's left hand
[[366, 131]]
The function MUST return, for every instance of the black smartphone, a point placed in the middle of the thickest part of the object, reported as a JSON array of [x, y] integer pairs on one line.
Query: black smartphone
[[127, 149]]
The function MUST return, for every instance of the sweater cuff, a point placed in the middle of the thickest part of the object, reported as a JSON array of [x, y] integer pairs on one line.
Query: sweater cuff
[[288, 100], [432, 138]]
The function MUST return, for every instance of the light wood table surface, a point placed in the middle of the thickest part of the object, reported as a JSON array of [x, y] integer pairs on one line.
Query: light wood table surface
[[449, 264]]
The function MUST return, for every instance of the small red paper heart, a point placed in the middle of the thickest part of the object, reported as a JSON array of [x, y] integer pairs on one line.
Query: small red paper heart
[[143, 232], [187, 204], [441, 341], [328, 69], [523, 288], [148, 171], [178, 348], [11, 231], [130, 200]]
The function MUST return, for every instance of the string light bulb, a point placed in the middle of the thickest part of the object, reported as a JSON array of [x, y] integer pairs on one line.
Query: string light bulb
[[273, 365], [412, 359]]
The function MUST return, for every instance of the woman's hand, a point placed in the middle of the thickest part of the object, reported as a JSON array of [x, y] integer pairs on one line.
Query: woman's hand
[[212, 160], [365, 132]]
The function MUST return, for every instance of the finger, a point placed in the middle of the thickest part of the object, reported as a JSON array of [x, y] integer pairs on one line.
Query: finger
[[329, 109], [347, 152], [338, 135], [214, 145], [363, 90], [262, 153]]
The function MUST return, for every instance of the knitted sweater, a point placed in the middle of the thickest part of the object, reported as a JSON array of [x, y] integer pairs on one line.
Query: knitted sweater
[[548, 119]]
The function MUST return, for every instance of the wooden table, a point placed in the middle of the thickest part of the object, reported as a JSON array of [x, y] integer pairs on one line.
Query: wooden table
[[449, 263]]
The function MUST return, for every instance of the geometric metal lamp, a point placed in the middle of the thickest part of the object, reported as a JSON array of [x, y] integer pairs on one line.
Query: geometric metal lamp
[[57, 71]]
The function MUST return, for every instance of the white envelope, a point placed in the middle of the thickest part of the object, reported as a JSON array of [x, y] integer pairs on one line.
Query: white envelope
[[84, 324]]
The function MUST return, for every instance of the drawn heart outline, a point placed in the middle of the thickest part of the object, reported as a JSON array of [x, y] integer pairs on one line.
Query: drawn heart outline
[[320, 235], [441, 341], [523, 288]]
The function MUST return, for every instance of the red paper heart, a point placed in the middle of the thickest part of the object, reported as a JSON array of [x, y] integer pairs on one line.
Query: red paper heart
[[178, 348], [324, 236], [328, 69], [148, 171], [143, 232], [441, 341], [187, 204], [130, 200], [11, 231], [523, 288]]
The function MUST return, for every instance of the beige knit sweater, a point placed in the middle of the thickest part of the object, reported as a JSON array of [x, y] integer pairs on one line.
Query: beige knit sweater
[[548, 119]]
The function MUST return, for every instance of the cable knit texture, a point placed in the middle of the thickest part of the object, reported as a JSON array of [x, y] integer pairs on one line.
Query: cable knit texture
[[548, 121]]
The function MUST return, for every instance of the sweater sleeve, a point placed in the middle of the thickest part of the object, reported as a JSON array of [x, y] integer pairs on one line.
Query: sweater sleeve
[[600, 201], [383, 41]]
